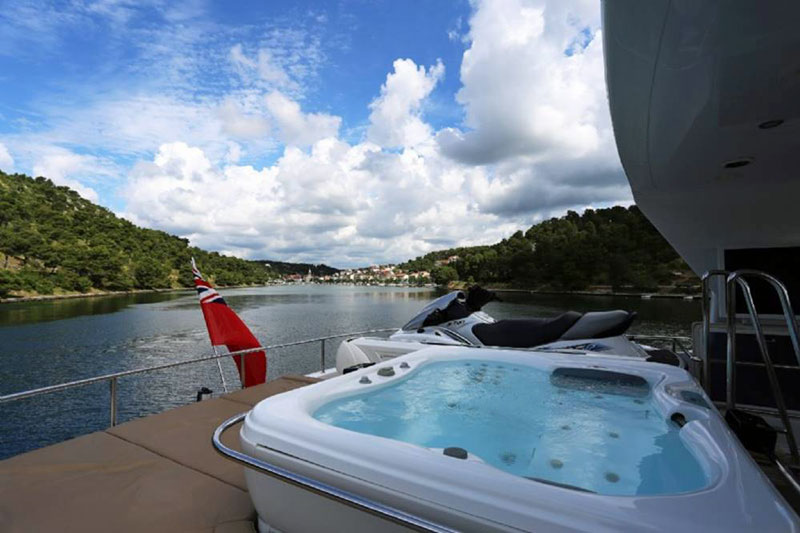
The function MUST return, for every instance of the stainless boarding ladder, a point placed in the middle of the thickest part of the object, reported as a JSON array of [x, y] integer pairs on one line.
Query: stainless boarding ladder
[[732, 281]]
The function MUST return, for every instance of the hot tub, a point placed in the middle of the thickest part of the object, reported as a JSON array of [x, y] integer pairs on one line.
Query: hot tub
[[503, 440]]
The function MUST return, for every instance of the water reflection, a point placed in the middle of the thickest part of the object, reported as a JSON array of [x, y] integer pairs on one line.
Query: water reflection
[[251, 298], [12, 314]]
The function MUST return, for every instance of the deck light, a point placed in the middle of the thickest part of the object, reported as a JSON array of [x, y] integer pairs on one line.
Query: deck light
[[770, 124], [737, 163]]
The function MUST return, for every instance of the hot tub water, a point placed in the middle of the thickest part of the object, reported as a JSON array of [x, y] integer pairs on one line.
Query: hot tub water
[[598, 436]]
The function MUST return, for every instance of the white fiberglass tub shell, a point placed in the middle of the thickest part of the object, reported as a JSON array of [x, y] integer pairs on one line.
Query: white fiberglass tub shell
[[470, 495]]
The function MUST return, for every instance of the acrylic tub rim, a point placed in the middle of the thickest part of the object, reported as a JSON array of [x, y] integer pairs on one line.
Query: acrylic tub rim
[[291, 426]]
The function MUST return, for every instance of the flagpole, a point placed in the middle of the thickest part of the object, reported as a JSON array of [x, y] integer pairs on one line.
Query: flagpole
[[241, 370], [221, 375]]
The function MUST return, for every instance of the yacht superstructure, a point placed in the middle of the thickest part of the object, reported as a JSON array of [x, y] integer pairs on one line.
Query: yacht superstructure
[[705, 103]]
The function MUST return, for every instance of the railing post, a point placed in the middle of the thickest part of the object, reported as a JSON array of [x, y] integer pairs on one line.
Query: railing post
[[113, 400], [730, 376], [219, 367], [241, 369], [322, 355]]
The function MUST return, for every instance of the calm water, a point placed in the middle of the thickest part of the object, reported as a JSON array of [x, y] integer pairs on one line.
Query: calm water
[[44, 343], [515, 419]]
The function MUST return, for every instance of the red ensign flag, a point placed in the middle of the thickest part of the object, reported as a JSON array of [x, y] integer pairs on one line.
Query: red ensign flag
[[226, 329]]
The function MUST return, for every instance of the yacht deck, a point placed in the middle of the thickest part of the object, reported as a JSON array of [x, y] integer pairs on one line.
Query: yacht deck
[[157, 473]]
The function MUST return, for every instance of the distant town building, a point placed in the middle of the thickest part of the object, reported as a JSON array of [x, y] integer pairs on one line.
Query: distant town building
[[447, 261], [374, 274]]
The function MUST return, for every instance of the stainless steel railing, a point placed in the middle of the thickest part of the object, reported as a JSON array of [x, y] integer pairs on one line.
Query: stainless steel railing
[[113, 378], [739, 278], [386, 512]]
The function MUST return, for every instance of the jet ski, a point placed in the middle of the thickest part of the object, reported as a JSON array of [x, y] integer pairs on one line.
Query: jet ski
[[457, 318]]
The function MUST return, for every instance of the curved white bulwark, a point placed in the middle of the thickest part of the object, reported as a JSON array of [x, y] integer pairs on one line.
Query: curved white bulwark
[[472, 495]]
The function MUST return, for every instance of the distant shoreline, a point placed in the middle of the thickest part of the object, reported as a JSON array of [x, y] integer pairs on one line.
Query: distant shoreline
[[74, 295], [70, 296], [641, 295]]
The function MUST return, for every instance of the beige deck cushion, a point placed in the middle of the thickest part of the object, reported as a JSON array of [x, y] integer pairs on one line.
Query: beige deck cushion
[[101, 483], [253, 395], [242, 526], [183, 435], [153, 474]]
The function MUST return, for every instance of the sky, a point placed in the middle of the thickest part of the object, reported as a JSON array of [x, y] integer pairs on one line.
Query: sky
[[348, 132]]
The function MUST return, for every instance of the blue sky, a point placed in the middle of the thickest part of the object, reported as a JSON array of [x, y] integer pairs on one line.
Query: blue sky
[[346, 132]]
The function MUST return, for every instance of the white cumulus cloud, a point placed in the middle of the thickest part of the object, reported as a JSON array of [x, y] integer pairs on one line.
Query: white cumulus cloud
[[349, 204], [395, 118], [535, 101], [239, 123], [296, 127], [523, 95]]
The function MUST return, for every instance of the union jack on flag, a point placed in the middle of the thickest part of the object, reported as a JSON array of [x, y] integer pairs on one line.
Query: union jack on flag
[[205, 291], [225, 328]]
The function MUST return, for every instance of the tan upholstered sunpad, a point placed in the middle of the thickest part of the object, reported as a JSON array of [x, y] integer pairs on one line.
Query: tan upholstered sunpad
[[158, 473]]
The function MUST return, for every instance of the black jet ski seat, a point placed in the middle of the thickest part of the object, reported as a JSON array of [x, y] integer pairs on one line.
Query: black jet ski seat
[[529, 332]]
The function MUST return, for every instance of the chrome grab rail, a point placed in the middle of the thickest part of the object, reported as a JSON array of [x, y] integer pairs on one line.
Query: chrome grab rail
[[738, 278], [114, 377], [323, 489]]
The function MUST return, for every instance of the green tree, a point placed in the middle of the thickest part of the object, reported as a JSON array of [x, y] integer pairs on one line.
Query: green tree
[[151, 274], [443, 275]]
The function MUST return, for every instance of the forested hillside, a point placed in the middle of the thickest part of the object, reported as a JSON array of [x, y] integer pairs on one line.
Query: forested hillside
[[616, 247], [53, 241]]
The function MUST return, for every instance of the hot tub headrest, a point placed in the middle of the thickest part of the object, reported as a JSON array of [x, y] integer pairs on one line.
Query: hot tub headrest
[[600, 381]]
